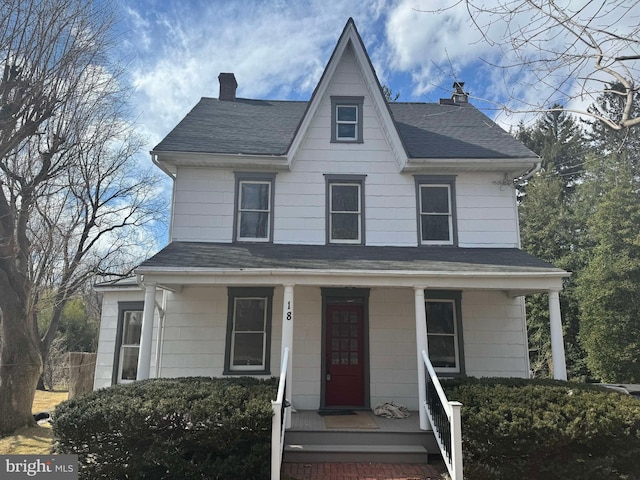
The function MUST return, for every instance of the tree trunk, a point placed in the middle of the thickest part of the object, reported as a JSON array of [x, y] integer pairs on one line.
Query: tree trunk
[[20, 367]]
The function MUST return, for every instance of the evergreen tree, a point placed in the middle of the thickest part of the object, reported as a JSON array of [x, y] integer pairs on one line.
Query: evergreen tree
[[550, 230], [609, 286]]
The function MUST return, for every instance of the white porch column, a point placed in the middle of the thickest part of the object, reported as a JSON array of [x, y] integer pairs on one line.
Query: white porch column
[[144, 353], [557, 343], [287, 342], [421, 344]]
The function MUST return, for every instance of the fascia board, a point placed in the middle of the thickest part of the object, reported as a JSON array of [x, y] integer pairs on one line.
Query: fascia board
[[171, 160], [505, 281]]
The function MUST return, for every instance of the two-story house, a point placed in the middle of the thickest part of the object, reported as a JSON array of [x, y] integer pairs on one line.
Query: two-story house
[[352, 231]]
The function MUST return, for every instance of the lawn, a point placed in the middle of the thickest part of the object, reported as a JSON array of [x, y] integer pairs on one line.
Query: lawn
[[34, 440]]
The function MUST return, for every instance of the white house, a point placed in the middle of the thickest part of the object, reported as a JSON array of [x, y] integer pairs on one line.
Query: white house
[[353, 231]]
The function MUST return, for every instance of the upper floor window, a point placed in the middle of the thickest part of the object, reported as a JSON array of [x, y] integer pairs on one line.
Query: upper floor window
[[436, 210], [345, 207], [128, 341], [346, 119], [444, 331], [254, 207], [249, 330]]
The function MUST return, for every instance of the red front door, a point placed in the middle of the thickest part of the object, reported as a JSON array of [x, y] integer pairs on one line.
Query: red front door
[[344, 360]]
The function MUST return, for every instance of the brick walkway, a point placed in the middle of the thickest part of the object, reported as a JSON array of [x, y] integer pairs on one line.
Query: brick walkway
[[359, 471]]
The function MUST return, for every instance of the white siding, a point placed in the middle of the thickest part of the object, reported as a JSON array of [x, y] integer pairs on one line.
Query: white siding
[[494, 335], [204, 198], [108, 330]]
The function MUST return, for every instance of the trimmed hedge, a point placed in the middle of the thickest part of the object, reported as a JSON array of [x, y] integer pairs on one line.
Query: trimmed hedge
[[187, 428], [546, 429]]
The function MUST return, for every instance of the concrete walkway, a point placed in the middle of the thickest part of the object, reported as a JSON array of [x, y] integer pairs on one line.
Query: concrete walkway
[[359, 471]]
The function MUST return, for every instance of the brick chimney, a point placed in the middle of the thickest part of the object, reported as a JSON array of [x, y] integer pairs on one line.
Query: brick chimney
[[228, 85]]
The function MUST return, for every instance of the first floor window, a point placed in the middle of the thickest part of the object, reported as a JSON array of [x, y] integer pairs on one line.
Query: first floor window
[[129, 328], [254, 207], [443, 331], [248, 330]]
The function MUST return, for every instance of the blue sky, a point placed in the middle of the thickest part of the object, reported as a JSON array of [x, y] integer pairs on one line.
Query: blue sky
[[278, 49], [173, 51]]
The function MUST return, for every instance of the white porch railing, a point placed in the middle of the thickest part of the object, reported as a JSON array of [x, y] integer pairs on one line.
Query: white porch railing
[[278, 422], [445, 421]]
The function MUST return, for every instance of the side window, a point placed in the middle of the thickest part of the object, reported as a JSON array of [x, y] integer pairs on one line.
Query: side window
[[346, 119], [248, 331], [444, 331], [254, 207], [345, 209], [128, 341], [436, 210]]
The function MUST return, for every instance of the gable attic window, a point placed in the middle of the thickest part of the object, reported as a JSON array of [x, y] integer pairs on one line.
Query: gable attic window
[[248, 345], [436, 210], [254, 207], [346, 119], [345, 209]]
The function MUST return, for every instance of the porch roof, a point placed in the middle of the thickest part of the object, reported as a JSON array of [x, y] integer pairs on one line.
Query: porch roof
[[180, 260]]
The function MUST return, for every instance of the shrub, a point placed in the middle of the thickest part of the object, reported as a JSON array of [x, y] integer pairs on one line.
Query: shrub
[[546, 429], [195, 428]]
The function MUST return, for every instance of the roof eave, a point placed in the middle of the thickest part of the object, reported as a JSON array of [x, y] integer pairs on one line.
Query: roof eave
[[514, 166], [172, 159]]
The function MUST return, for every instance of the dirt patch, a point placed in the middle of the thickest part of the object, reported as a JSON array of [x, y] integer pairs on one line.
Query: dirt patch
[[34, 440]]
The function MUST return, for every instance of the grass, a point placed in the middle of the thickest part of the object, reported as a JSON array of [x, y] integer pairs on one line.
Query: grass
[[34, 440]]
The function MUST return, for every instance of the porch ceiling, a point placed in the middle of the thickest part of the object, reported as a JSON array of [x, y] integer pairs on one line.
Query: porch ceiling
[[183, 263]]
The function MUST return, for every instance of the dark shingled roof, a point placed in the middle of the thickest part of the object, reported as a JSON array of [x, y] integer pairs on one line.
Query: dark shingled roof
[[203, 255], [265, 127]]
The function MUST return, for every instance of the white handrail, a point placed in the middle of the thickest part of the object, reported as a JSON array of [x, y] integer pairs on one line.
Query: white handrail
[[452, 410], [277, 426]]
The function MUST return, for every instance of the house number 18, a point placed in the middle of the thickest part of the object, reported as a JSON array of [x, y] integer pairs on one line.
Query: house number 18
[[289, 314]]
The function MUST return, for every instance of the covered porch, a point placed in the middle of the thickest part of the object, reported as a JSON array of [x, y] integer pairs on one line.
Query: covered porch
[[393, 285]]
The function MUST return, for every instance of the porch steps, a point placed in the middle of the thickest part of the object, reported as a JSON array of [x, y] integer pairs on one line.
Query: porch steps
[[355, 446]]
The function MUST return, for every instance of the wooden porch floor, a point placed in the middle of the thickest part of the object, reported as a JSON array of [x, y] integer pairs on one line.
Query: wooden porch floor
[[310, 420]]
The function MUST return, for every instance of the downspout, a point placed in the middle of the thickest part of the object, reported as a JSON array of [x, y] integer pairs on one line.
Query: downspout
[[531, 172], [516, 181], [157, 163]]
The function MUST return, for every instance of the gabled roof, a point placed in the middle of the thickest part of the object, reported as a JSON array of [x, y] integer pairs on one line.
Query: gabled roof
[[250, 127], [277, 128], [266, 127]]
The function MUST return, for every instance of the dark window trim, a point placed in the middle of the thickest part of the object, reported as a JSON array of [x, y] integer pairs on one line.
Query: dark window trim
[[240, 292], [342, 296], [256, 177], [449, 180], [456, 296], [359, 103], [331, 179], [131, 306]]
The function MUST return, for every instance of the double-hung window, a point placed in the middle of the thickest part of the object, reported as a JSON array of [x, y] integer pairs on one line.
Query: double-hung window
[[444, 330], [254, 207], [128, 341], [345, 207], [436, 210], [346, 119], [248, 331]]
